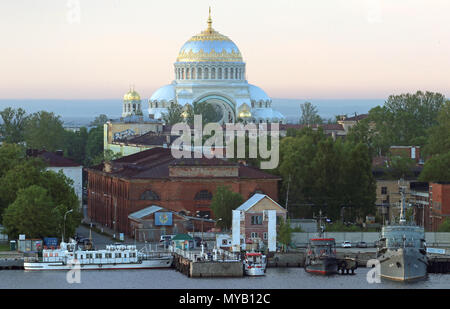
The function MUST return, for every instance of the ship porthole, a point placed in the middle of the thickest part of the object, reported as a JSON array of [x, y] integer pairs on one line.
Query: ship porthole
[[399, 265]]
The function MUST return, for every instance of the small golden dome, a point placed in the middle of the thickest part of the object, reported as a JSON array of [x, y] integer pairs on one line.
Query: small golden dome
[[245, 114], [132, 95]]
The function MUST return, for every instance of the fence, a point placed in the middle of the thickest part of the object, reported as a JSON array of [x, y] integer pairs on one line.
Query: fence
[[149, 235], [302, 239], [216, 255]]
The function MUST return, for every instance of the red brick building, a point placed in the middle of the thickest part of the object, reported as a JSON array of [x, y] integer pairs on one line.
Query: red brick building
[[154, 178], [254, 217], [439, 207]]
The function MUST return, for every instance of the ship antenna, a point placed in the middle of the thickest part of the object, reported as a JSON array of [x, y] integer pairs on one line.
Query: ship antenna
[[402, 210], [320, 223]]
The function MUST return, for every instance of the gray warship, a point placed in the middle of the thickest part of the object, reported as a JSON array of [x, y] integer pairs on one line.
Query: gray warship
[[401, 249]]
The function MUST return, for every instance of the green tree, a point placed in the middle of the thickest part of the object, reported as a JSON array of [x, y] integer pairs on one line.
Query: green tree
[[400, 167], [100, 120], [309, 114], [445, 226], [284, 234], [404, 119], [106, 156], [12, 128], [75, 145], [94, 144], [326, 175], [174, 114], [44, 130], [18, 177], [206, 110], [10, 156], [357, 183], [31, 214], [439, 135], [436, 169], [223, 203]]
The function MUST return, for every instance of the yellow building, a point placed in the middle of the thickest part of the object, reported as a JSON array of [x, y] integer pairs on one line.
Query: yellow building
[[389, 198]]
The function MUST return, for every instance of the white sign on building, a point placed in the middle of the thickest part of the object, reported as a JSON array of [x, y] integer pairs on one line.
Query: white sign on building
[[236, 235]]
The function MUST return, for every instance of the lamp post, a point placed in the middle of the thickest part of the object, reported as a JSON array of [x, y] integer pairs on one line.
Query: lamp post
[[64, 230]]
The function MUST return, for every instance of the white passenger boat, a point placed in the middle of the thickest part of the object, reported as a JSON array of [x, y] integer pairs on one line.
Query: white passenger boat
[[255, 264], [67, 256]]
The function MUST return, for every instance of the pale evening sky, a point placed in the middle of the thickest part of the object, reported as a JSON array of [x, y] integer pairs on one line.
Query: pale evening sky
[[292, 48]]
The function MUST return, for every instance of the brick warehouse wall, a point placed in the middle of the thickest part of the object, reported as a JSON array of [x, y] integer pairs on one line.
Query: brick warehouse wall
[[439, 208], [111, 198]]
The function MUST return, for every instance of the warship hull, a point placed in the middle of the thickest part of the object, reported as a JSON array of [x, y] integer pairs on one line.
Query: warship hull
[[403, 264]]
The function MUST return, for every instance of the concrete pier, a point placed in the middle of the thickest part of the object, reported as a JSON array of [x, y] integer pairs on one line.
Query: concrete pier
[[11, 260], [203, 269], [439, 264]]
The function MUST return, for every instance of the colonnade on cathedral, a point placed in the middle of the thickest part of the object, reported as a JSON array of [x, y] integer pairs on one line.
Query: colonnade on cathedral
[[220, 71]]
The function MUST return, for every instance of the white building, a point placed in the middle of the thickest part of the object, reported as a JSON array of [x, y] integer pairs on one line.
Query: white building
[[72, 170], [210, 68]]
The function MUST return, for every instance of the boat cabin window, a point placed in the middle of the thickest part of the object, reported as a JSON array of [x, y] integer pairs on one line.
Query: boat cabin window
[[98, 255]]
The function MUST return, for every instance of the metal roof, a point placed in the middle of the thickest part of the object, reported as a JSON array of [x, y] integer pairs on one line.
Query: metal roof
[[253, 200], [144, 212]]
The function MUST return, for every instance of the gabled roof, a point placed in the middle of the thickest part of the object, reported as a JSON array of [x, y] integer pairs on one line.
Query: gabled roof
[[144, 212], [254, 200]]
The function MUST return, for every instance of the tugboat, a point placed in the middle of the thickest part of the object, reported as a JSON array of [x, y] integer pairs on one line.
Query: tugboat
[[321, 255], [255, 264], [67, 256], [401, 249]]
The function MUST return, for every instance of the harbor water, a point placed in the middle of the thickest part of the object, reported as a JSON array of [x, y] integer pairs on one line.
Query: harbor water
[[275, 278]]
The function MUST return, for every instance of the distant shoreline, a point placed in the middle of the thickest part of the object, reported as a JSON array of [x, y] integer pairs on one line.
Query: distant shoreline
[[81, 112]]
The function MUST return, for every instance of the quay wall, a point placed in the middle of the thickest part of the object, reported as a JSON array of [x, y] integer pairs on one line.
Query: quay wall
[[216, 269], [11, 260], [297, 259]]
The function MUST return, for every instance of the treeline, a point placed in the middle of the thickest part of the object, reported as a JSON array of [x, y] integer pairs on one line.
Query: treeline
[[45, 130], [419, 119], [322, 174]]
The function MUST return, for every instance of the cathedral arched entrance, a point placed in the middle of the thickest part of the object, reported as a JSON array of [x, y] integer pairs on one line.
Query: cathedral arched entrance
[[223, 106]]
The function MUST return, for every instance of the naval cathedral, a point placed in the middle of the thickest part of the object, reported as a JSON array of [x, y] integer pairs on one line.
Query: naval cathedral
[[209, 68]]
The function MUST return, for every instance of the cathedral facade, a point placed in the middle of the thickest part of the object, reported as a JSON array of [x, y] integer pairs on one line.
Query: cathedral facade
[[210, 68]]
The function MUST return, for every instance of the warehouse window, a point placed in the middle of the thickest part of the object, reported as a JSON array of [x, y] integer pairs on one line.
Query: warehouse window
[[203, 195], [150, 195]]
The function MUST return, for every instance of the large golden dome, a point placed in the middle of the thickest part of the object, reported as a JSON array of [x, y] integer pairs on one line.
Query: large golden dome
[[209, 46]]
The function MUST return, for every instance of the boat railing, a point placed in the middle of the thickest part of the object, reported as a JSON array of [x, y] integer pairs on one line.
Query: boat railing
[[217, 255]]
